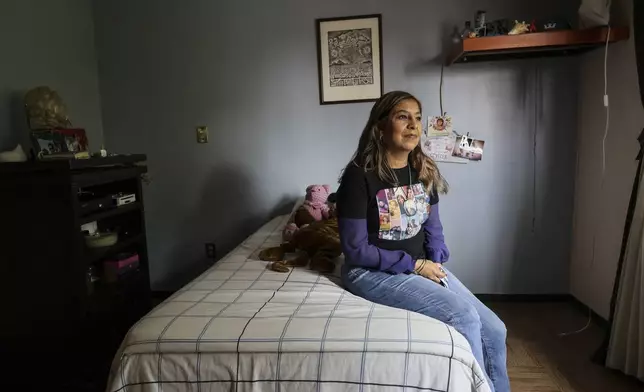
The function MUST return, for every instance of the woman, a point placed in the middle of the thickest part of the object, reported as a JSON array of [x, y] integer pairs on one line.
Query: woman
[[405, 271]]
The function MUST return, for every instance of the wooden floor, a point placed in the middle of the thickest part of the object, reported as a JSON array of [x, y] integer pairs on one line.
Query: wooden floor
[[541, 361]]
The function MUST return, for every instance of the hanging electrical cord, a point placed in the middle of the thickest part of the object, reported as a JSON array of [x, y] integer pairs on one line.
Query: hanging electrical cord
[[606, 105], [603, 175], [440, 90], [606, 128], [582, 329], [537, 98]]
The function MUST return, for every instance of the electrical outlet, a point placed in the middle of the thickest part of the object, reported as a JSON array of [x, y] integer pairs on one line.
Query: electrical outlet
[[202, 134], [211, 250]]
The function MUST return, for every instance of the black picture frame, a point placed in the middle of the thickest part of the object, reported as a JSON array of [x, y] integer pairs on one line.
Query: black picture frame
[[358, 28]]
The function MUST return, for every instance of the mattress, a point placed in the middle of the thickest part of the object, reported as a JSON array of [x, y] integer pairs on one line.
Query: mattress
[[242, 327]]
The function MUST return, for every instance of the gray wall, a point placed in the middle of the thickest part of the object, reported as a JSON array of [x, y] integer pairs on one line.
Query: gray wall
[[48, 43], [600, 211], [247, 69]]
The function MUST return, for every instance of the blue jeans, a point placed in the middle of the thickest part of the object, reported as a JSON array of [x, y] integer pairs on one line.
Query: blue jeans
[[455, 306]]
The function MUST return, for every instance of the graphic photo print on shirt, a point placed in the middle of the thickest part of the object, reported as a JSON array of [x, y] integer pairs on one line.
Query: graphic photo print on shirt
[[402, 211]]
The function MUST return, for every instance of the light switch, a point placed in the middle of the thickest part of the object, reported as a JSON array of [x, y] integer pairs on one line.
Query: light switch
[[202, 134]]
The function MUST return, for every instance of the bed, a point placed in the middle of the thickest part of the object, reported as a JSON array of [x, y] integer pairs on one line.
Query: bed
[[242, 327]]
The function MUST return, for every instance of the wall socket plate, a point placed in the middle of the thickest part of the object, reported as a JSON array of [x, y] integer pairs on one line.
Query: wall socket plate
[[211, 250], [202, 134]]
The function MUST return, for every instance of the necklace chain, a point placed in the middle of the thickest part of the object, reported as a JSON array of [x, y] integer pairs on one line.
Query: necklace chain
[[398, 181]]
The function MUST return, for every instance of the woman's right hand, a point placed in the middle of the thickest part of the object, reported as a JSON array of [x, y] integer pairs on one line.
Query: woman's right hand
[[429, 270]]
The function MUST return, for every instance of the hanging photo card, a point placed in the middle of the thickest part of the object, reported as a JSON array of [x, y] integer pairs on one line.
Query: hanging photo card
[[440, 148], [469, 148], [439, 126], [439, 140]]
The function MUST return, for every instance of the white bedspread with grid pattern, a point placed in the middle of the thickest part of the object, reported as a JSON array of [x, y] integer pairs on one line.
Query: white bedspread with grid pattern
[[242, 327]]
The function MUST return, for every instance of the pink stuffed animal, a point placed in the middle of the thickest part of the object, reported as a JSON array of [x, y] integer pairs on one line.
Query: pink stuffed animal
[[313, 209], [315, 201]]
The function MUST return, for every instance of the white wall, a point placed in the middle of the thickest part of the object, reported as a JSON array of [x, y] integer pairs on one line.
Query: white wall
[[48, 43], [600, 211], [248, 70]]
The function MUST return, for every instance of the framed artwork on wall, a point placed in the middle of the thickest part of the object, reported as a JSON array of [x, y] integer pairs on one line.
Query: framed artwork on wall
[[350, 59]]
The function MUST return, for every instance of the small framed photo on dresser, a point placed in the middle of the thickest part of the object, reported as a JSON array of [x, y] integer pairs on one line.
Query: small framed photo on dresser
[[60, 143], [350, 59]]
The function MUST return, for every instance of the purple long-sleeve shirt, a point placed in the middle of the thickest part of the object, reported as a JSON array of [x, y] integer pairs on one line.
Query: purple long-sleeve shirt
[[435, 248], [388, 228], [359, 252]]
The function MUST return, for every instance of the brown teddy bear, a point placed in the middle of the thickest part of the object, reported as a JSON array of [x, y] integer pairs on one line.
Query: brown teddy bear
[[319, 241]]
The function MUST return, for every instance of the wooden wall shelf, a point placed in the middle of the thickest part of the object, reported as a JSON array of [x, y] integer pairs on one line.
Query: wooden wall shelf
[[545, 44]]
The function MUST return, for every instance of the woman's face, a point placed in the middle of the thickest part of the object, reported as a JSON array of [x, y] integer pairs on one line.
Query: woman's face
[[402, 131]]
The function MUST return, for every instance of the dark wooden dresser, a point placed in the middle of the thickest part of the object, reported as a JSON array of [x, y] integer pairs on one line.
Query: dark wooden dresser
[[63, 317]]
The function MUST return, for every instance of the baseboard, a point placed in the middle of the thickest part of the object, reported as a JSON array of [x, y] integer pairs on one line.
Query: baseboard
[[524, 297], [580, 306]]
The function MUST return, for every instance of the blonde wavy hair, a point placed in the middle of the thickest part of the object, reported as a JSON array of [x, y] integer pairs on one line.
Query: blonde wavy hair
[[371, 152]]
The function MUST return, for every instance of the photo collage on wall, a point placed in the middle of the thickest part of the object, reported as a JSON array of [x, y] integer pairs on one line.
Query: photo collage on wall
[[402, 211], [442, 143]]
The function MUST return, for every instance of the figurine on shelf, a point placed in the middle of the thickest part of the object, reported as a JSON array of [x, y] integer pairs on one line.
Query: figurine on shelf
[[467, 30], [519, 28], [498, 27], [553, 24], [533, 26]]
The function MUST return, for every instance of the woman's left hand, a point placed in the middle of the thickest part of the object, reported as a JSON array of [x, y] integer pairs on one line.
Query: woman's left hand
[[430, 270]]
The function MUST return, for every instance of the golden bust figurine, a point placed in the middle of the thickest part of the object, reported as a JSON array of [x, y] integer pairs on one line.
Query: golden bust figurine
[[45, 109]]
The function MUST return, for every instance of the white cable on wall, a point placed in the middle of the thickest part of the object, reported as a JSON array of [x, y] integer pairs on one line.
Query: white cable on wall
[[440, 89], [537, 100], [606, 128], [606, 105], [603, 175]]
